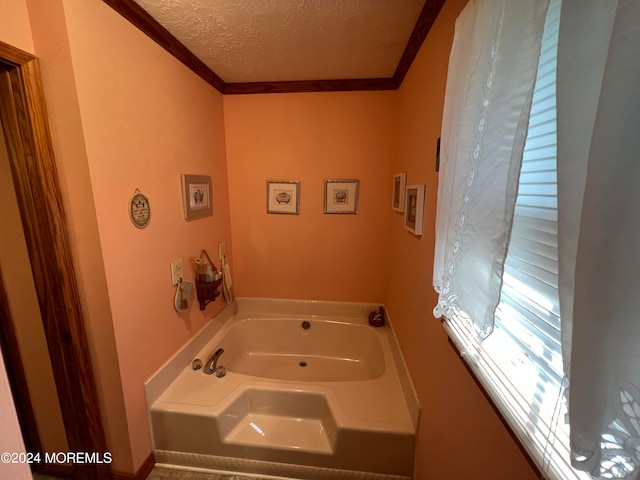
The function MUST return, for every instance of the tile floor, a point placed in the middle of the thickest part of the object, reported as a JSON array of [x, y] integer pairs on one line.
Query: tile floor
[[159, 473]]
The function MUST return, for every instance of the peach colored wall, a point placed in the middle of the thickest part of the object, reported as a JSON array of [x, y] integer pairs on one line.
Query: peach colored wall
[[147, 119], [310, 137], [460, 437], [14, 24]]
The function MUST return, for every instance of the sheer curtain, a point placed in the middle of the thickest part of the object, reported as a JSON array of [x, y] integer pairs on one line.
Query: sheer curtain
[[599, 230], [492, 71]]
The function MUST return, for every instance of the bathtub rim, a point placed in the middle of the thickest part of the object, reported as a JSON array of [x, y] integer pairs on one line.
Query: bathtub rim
[[162, 378]]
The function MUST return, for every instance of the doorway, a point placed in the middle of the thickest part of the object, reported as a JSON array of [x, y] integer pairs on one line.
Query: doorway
[[22, 335], [34, 176]]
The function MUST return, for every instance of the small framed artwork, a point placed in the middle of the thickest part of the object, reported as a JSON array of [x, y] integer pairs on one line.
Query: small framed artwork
[[196, 196], [414, 208], [399, 186], [341, 196], [283, 196]]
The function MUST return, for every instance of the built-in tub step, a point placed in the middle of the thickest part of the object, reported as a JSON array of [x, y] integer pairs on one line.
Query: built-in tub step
[[273, 431], [279, 419]]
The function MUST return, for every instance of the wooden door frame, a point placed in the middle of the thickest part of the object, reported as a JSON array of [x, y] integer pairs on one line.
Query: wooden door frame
[[24, 119]]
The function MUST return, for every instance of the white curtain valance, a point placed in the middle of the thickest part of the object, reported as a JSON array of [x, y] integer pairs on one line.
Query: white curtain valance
[[491, 76]]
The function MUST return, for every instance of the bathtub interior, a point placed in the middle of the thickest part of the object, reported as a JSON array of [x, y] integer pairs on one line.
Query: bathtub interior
[[362, 418], [326, 350]]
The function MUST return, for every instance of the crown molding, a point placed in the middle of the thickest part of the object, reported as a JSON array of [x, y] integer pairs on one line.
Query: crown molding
[[425, 21], [311, 86]]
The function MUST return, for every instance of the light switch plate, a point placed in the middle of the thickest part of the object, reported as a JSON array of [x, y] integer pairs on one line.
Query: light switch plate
[[222, 251], [176, 271]]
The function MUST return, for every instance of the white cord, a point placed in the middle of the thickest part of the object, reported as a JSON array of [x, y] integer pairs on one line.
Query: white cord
[[551, 434]]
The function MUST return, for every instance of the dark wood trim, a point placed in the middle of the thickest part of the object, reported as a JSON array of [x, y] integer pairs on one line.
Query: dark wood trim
[[135, 14], [24, 120], [427, 18], [139, 17], [142, 473], [310, 86], [15, 374], [496, 410], [11, 57]]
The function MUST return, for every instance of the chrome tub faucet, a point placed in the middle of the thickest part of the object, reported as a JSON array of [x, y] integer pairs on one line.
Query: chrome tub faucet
[[212, 365]]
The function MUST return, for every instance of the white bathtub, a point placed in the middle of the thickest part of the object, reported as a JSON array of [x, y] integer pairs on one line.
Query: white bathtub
[[330, 401]]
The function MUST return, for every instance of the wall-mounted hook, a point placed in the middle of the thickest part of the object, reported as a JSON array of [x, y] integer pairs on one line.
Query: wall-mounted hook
[[183, 292]]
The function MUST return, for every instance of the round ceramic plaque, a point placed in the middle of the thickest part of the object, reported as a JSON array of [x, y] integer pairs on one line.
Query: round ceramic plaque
[[139, 210]]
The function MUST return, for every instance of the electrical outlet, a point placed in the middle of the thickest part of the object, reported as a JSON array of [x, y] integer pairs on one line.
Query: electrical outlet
[[221, 251], [176, 271]]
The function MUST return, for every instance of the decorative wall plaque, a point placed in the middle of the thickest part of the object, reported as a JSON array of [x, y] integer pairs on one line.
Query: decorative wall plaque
[[139, 209]]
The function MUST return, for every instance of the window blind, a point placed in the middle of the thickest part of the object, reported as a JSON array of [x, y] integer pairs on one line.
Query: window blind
[[528, 313], [520, 363]]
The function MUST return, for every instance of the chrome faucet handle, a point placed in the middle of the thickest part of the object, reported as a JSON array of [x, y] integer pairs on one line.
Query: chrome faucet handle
[[221, 371]]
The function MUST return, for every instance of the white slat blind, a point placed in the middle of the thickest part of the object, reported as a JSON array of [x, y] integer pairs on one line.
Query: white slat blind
[[528, 315], [521, 361]]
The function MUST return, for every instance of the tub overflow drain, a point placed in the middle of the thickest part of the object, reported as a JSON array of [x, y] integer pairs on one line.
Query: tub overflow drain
[[302, 363]]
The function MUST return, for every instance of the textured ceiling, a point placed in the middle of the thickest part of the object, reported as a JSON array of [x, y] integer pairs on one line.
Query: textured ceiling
[[291, 40]]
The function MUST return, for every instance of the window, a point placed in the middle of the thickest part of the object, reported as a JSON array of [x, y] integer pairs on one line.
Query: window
[[520, 363]]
